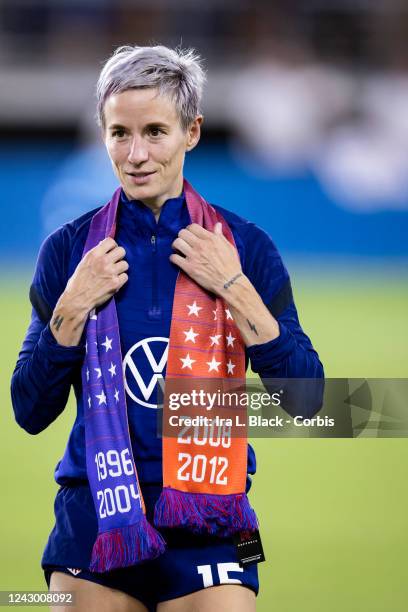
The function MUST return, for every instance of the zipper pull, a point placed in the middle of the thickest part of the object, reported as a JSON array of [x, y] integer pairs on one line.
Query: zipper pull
[[153, 242]]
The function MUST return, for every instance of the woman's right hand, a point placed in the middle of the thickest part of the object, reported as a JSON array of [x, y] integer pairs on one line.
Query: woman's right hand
[[98, 276]]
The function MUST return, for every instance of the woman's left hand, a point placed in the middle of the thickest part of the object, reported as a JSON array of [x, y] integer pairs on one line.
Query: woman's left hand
[[207, 257]]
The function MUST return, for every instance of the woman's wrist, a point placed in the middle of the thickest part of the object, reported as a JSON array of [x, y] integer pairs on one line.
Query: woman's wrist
[[236, 290], [68, 320]]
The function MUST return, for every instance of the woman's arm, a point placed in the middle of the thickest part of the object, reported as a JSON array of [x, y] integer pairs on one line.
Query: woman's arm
[[275, 341], [42, 377], [287, 355], [52, 351]]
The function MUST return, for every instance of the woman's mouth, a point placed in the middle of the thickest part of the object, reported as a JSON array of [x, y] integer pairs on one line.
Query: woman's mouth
[[140, 178]]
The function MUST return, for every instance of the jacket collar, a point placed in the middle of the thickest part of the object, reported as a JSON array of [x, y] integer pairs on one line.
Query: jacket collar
[[137, 216]]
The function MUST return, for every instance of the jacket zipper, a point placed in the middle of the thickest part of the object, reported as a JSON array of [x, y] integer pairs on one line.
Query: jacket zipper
[[155, 311]]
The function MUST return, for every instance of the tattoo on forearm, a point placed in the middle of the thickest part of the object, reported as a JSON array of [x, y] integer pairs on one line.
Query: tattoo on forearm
[[252, 327], [232, 280], [57, 322]]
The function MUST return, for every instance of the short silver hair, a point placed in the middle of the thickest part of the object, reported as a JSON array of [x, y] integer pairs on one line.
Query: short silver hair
[[174, 72]]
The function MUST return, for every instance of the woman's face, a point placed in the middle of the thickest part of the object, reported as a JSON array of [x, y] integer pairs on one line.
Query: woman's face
[[147, 145]]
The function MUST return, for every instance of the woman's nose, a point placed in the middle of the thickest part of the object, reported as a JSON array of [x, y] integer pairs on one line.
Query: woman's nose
[[138, 152]]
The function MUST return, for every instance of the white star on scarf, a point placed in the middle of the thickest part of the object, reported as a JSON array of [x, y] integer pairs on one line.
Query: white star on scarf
[[230, 367], [215, 339], [93, 315], [112, 369], [215, 314], [107, 344], [194, 308], [89, 401], [213, 364], [87, 374], [190, 335], [116, 395], [101, 398], [228, 313], [98, 371], [230, 339], [187, 361]]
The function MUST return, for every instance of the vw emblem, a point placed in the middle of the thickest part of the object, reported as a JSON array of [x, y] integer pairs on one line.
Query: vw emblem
[[154, 351]]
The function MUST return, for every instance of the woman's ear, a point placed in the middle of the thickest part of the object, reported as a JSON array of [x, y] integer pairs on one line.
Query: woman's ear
[[194, 132]]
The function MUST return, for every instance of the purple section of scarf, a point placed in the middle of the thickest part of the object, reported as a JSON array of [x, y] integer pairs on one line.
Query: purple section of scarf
[[110, 464]]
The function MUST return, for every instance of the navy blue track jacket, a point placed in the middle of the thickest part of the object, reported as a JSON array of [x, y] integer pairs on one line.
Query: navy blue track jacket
[[45, 370]]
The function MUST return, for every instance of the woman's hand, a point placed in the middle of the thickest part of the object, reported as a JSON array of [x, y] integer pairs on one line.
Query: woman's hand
[[98, 276], [213, 263], [207, 257]]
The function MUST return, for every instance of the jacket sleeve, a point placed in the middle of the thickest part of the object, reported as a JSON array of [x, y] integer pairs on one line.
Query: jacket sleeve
[[291, 355], [44, 371]]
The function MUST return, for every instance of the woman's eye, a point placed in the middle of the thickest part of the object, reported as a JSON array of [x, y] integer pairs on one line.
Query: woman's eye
[[118, 133], [156, 131]]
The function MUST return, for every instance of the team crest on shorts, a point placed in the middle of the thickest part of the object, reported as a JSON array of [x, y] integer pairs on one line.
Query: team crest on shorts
[[74, 571]]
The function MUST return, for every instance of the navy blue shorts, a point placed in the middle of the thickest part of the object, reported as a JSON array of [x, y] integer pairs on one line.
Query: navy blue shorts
[[190, 563]]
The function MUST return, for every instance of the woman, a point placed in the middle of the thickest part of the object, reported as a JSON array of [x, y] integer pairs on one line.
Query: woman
[[195, 286]]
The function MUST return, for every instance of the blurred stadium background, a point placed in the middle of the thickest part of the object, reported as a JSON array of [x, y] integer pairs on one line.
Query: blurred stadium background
[[306, 133]]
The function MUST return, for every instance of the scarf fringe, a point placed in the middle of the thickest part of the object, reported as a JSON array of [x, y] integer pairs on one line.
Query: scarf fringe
[[126, 546], [221, 515]]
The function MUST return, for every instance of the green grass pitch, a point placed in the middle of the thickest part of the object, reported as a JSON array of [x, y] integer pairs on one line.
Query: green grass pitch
[[333, 513]]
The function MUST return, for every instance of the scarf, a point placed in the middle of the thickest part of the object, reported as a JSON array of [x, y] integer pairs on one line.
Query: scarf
[[203, 487]]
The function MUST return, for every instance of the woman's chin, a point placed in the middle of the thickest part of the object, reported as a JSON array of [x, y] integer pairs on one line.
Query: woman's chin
[[139, 192]]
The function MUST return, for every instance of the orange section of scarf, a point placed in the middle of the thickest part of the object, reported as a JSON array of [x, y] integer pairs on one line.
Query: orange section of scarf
[[206, 351]]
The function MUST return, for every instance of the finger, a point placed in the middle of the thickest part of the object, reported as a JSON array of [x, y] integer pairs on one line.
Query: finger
[[181, 245], [188, 237], [218, 229], [180, 261], [198, 231], [122, 279], [116, 254], [121, 266], [105, 245]]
